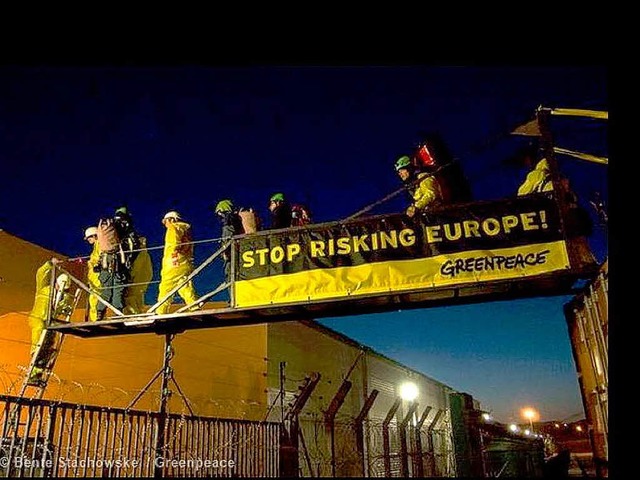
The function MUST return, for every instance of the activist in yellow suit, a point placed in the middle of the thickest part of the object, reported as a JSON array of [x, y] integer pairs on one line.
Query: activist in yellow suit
[[93, 273], [61, 304], [38, 315], [141, 274], [426, 193], [38, 312], [177, 261], [538, 180]]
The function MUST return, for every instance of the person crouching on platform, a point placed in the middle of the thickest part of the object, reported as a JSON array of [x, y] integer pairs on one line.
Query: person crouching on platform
[[424, 189]]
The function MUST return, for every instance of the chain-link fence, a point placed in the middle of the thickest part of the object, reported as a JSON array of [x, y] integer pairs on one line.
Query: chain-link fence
[[324, 452]]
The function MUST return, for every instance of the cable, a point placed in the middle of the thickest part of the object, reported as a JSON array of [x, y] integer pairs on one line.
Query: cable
[[157, 247], [405, 187], [475, 149]]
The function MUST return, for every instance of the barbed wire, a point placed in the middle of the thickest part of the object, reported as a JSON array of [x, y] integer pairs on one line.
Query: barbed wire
[[121, 433]]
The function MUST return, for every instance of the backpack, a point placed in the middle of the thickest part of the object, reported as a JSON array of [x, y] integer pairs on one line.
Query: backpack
[[108, 238], [250, 220], [300, 215]]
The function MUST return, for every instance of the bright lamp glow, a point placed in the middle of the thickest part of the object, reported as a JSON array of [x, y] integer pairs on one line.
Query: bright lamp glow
[[486, 417], [409, 391], [513, 427], [529, 413]]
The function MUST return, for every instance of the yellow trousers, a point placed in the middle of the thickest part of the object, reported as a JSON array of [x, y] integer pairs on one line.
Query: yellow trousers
[[37, 326], [134, 299], [187, 292], [93, 308]]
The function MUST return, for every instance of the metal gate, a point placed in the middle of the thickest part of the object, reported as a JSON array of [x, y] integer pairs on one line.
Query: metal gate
[[52, 439]]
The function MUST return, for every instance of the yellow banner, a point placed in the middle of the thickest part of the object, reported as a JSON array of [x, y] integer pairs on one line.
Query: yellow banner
[[453, 269]]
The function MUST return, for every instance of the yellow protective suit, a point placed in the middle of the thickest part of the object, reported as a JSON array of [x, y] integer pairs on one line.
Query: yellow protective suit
[[93, 279], [141, 275], [38, 312], [177, 263], [538, 180], [37, 316], [427, 192]]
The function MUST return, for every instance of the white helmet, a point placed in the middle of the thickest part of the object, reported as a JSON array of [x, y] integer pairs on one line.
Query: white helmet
[[172, 214], [63, 282], [90, 232]]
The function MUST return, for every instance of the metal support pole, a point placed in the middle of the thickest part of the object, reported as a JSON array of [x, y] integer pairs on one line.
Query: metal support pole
[[559, 194], [282, 366], [358, 424], [164, 400], [330, 416], [289, 463], [430, 449], [404, 454], [385, 436], [144, 389], [418, 460]]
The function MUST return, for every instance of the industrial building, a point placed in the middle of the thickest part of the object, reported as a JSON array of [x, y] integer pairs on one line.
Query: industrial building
[[588, 323]]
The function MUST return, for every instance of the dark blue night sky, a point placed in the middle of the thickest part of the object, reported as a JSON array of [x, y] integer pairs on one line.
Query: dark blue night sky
[[75, 143]]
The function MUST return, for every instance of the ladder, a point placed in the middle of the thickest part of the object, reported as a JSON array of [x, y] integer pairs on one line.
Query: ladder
[[47, 350], [44, 358], [42, 362]]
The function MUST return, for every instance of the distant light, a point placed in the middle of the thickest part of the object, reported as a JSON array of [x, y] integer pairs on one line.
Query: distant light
[[565, 425], [409, 391], [529, 413], [486, 417], [578, 428], [557, 425], [513, 427], [527, 432]]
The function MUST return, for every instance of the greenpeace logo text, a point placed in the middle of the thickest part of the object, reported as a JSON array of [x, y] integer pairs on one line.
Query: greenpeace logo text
[[451, 268]]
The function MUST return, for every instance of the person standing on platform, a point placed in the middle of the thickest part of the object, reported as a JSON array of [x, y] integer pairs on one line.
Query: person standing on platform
[[177, 261]]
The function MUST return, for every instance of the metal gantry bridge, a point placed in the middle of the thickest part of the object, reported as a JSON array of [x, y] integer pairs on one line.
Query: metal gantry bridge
[[349, 297]]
